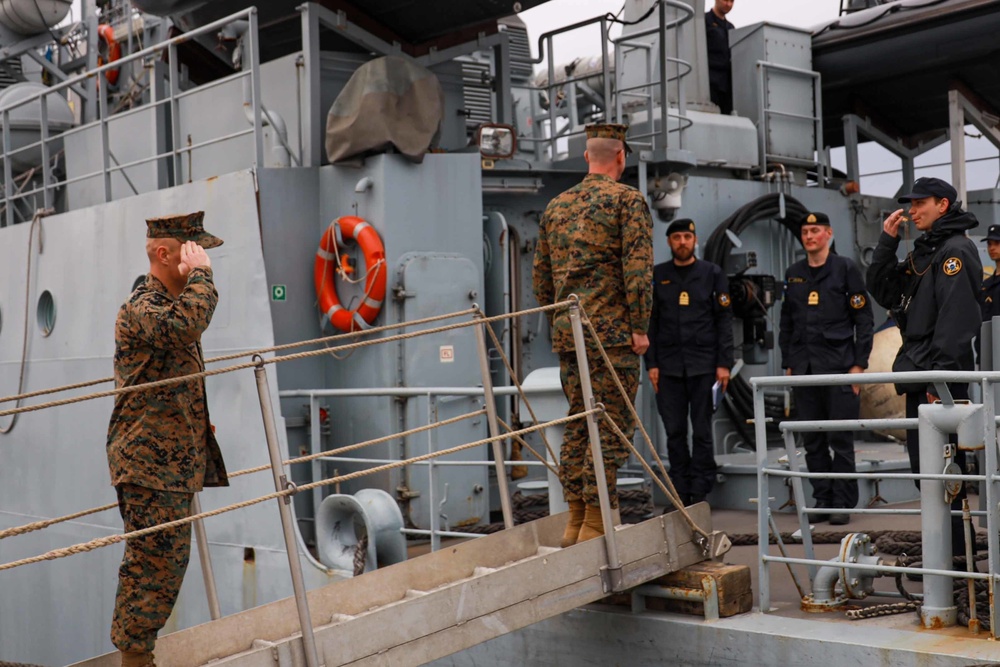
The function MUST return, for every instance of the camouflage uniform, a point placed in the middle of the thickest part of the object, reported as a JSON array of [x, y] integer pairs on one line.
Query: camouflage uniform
[[595, 241], [161, 449]]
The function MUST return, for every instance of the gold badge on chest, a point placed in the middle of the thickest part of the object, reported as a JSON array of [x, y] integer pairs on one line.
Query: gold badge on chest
[[814, 298], [685, 299]]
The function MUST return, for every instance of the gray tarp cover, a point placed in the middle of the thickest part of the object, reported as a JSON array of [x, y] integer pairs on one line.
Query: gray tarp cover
[[388, 102]]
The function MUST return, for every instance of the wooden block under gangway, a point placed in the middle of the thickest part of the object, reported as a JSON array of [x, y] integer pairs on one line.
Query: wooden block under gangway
[[733, 582]]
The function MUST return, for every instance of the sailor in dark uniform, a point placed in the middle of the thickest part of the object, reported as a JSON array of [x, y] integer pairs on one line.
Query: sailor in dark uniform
[[826, 327], [989, 297], [933, 295], [691, 349], [720, 70]]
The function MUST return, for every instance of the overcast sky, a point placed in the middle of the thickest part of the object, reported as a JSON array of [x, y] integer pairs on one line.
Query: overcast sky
[[558, 13], [983, 165]]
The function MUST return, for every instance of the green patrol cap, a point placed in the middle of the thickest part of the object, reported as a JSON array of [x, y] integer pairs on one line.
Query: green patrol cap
[[608, 131], [186, 227]]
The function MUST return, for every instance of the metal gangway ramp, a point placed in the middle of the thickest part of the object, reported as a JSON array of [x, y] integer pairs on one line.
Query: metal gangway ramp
[[443, 602], [434, 605]]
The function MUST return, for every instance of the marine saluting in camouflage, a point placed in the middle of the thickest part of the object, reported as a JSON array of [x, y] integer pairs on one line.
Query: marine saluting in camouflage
[[595, 241], [161, 448]]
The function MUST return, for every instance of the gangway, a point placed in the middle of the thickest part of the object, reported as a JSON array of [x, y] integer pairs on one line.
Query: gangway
[[443, 602]]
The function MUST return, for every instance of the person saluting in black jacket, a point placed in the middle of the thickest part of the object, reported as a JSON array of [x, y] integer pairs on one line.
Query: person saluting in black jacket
[[690, 349], [933, 295], [826, 327]]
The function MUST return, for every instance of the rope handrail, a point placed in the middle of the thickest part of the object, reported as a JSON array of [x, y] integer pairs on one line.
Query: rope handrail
[[40, 525], [101, 542], [672, 494], [264, 350], [276, 360], [520, 390]]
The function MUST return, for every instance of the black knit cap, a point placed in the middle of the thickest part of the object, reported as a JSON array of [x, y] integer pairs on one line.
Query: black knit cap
[[681, 225], [815, 219]]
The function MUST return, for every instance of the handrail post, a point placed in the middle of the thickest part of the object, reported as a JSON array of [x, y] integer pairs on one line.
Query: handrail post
[[990, 491], [605, 73], [491, 418], [105, 138], [256, 97], [175, 118], [763, 499], [8, 178], [552, 98], [800, 501], [46, 166], [281, 483], [207, 573], [434, 518], [608, 517], [664, 94]]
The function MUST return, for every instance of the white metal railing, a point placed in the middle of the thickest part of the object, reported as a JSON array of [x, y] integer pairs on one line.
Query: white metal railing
[[431, 395], [545, 124], [982, 420], [170, 101]]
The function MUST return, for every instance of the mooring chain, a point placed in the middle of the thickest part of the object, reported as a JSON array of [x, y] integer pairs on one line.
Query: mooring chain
[[882, 610], [115, 539]]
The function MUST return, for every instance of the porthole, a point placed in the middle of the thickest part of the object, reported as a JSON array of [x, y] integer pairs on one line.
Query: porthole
[[46, 313], [138, 281]]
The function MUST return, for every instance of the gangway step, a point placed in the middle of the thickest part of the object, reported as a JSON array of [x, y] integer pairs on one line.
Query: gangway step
[[440, 603]]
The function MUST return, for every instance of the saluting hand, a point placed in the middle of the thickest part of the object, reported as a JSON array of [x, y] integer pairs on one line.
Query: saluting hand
[[892, 223], [193, 256]]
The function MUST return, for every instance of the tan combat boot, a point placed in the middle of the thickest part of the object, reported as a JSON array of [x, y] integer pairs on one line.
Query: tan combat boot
[[593, 525], [137, 659], [576, 511]]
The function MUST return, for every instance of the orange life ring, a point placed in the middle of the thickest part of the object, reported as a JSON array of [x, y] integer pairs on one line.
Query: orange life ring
[[328, 263], [114, 51]]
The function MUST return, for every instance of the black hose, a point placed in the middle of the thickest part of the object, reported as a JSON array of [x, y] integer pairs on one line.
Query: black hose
[[717, 250]]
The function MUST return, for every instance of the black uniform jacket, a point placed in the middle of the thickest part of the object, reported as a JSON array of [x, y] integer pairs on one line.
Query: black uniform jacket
[[691, 328], [989, 297], [933, 294], [719, 54], [826, 320]]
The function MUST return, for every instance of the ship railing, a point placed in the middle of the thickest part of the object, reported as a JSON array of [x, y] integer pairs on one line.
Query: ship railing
[[560, 121], [976, 425], [711, 543], [166, 126], [431, 396]]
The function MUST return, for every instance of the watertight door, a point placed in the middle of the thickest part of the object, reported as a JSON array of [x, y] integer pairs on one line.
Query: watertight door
[[436, 283]]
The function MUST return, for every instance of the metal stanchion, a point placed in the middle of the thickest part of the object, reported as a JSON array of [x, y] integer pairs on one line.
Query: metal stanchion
[[287, 520], [201, 537], [491, 418], [608, 517]]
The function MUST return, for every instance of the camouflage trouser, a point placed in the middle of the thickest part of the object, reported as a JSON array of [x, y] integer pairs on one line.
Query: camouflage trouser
[[152, 570], [576, 468]]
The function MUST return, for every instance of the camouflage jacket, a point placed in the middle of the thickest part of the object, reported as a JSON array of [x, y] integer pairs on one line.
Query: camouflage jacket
[[595, 241], [161, 438]]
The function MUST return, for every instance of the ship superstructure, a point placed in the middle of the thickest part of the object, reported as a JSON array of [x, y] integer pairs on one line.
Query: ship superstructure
[[146, 108]]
